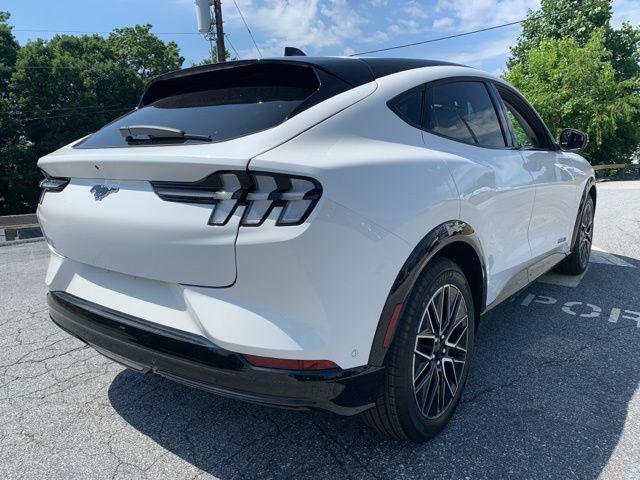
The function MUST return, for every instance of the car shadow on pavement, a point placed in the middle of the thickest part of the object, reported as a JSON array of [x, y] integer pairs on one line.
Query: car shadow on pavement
[[548, 395]]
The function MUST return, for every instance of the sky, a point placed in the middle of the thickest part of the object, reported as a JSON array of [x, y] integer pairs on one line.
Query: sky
[[319, 27]]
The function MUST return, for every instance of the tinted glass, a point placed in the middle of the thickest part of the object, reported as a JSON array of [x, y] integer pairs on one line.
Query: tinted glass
[[525, 135], [464, 111], [226, 104], [409, 106]]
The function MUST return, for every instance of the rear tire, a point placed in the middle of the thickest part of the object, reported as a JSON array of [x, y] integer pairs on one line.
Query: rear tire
[[578, 261], [428, 362]]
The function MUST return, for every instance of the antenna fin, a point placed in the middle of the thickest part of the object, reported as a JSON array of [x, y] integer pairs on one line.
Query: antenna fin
[[293, 52]]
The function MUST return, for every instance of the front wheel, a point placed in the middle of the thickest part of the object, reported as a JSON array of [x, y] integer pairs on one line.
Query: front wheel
[[578, 260], [428, 362]]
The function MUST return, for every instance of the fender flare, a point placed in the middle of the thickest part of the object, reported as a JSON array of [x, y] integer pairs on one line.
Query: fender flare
[[585, 192], [441, 236]]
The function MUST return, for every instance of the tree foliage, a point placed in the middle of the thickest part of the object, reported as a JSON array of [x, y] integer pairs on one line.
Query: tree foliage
[[59, 90], [580, 72], [8, 52], [143, 52], [571, 85], [558, 19]]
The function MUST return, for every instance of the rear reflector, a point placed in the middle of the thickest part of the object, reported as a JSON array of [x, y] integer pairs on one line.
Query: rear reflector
[[286, 364], [391, 326]]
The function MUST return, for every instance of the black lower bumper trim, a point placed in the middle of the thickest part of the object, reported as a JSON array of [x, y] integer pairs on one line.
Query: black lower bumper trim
[[195, 361]]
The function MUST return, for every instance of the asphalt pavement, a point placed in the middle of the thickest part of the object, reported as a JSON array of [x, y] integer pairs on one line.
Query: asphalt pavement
[[552, 392]]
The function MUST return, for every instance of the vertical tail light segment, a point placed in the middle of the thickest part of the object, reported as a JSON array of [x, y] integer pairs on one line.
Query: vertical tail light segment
[[258, 192], [51, 184]]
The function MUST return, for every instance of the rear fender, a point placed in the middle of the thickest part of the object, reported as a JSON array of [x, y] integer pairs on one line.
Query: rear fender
[[437, 239], [585, 194]]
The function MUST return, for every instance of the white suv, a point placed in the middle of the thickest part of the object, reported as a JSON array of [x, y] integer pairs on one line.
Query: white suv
[[312, 232]]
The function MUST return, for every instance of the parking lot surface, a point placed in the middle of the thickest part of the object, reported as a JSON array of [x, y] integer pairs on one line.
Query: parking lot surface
[[552, 393]]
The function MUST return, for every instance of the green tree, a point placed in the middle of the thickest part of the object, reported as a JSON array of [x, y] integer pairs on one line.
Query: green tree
[[144, 52], [8, 52], [62, 89], [12, 146], [69, 86], [574, 85], [214, 57], [577, 21]]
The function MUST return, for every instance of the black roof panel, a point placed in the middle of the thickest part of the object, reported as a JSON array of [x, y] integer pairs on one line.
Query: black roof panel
[[354, 71], [381, 67]]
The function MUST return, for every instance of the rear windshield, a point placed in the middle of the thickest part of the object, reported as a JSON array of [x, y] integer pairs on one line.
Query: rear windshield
[[223, 104]]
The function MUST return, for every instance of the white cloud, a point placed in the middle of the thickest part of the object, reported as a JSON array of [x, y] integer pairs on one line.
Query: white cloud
[[375, 37], [313, 25], [307, 24], [443, 23], [404, 26], [415, 9], [473, 14], [410, 25]]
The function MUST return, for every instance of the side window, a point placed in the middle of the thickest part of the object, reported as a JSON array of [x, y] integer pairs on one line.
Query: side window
[[408, 106], [524, 133], [464, 111]]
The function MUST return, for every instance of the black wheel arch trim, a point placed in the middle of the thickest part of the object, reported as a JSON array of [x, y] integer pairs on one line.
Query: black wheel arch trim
[[435, 241], [585, 193]]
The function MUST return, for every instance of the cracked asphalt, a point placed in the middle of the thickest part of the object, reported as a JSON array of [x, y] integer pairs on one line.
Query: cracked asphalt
[[552, 393]]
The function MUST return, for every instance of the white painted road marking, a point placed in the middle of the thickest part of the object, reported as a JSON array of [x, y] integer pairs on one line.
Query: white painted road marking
[[598, 255], [571, 281], [584, 310]]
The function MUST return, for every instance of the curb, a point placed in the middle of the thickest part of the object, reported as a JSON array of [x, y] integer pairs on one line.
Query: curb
[[21, 242]]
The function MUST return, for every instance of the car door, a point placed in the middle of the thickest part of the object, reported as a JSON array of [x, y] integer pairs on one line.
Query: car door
[[464, 123], [553, 214]]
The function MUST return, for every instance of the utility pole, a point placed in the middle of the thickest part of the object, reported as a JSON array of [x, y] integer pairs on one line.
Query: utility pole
[[217, 12]]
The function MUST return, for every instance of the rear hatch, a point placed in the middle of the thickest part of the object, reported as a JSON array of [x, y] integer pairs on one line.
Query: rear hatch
[[108, 214]]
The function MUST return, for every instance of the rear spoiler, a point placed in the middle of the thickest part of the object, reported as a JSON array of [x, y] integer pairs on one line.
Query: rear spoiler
[[352, 71]]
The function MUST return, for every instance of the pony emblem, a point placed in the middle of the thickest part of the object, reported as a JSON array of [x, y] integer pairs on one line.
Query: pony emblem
[[102, 191]]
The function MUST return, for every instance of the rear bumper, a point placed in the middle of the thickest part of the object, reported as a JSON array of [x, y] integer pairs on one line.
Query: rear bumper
[[194, 360]]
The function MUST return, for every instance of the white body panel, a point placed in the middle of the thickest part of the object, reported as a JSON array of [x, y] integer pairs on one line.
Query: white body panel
[[316, 290], [135, 232], [559, 185], [497, 196], [287, 301]]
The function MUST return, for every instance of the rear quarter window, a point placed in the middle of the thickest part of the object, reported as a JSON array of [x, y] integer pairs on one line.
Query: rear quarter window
[[409, 106], [463, 111]]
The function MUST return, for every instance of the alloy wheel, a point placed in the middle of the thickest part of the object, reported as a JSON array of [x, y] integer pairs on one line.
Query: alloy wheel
[[440, 351], [586, 233]]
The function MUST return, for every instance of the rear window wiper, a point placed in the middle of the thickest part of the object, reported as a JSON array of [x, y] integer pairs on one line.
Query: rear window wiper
[[158, 134]]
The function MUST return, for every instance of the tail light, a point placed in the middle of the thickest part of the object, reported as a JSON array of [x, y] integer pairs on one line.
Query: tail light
[[52, 184], [259, 193]]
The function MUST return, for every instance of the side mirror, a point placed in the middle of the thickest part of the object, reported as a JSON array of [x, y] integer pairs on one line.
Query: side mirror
[[572, 140]]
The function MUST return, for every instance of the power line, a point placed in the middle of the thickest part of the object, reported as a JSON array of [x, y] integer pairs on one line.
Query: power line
[[486, 29], [247, 27], [231, 45], [96, 32]]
